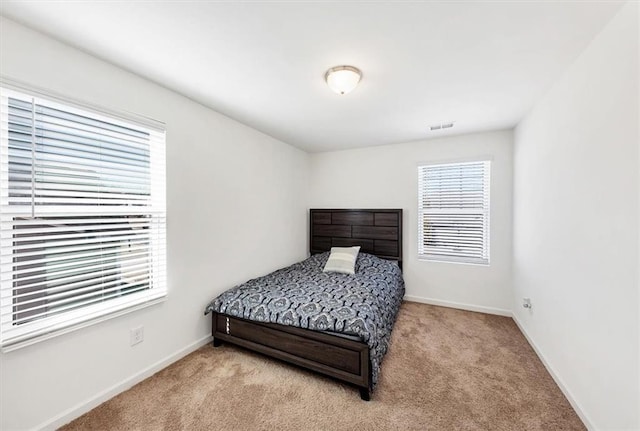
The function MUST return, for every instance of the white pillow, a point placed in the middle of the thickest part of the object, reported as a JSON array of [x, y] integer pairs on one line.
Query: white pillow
[[342, 259]]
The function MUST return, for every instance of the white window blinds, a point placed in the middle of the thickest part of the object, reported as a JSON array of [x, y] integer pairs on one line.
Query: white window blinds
[[82, 216], [453, 212]]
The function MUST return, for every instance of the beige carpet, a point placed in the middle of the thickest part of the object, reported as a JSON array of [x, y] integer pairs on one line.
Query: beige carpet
[[446, 370]]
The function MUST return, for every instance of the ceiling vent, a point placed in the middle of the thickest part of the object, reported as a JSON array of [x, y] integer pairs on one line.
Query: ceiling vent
[[441, 126]]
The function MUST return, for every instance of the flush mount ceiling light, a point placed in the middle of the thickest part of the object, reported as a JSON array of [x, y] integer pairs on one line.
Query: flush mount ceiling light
[[343, 79]]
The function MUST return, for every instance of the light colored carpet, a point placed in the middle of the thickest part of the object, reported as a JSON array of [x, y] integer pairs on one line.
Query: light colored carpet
[[446, 369]]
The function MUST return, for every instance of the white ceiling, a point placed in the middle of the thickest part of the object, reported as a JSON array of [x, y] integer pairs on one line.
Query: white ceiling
[[480, 64]]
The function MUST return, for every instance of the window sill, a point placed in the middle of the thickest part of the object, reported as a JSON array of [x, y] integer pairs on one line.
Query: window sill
[[79, 325], [454, 260]]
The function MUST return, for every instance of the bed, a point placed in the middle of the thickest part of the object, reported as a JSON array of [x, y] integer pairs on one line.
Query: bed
[[335, 324]]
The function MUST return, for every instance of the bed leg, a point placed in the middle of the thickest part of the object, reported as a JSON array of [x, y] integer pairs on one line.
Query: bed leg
[[217, 342], [365, 394]]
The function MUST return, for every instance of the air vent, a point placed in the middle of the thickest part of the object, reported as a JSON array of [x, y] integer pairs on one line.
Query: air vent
[[441, 126]]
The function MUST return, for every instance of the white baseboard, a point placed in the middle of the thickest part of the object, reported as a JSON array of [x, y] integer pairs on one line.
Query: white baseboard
[[490, 310], [459, 305], [83, 407], [556, 377]]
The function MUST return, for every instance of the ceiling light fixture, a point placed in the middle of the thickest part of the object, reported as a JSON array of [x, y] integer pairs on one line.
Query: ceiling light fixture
[[343, 79]]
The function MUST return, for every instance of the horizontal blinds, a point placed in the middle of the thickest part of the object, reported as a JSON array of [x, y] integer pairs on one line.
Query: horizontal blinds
[[82, 215], [453, 207]]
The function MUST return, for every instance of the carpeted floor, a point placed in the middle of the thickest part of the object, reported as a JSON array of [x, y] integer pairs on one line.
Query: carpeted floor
[[446, 370]]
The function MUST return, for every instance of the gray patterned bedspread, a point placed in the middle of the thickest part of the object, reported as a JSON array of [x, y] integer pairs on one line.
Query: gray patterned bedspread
[[365, 304]]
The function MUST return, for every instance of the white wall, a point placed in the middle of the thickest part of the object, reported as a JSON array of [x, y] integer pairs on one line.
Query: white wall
[[387, 177], [576, 222], [236, 209], [638, 265]]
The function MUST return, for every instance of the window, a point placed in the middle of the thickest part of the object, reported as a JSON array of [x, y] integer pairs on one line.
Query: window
[[453, 212], [82, 216]]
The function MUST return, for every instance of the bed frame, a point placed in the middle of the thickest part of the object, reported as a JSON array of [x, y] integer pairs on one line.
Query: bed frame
[[376, 231]]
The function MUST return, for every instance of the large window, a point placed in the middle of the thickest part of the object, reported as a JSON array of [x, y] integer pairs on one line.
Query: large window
[[453, 212], [82, 216]]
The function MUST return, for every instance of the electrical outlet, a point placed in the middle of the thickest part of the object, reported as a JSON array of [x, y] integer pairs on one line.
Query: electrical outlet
[[136, 335]]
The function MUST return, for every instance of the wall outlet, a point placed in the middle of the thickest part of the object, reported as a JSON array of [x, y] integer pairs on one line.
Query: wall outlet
[[526, 303], [136, 335]]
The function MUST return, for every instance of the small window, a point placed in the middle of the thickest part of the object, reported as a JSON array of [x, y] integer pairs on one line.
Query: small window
[[82, 216], [453, 212]]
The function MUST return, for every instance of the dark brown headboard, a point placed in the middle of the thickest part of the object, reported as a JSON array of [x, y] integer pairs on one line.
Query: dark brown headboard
[[377, 231]]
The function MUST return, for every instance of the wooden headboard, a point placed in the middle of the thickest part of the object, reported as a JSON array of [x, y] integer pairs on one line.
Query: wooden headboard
[[376, 231]]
